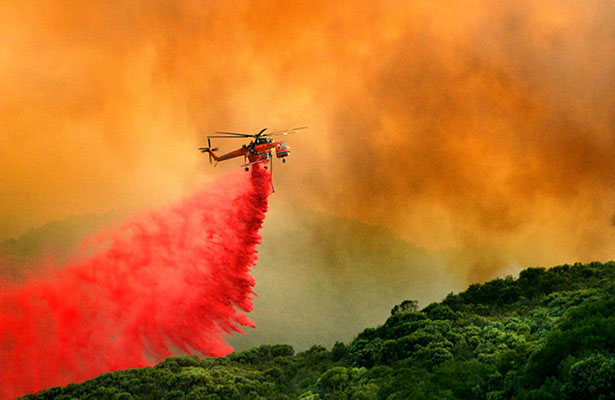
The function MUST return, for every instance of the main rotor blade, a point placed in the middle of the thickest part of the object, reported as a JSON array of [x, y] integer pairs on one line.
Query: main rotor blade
[[229, 137], [236, 134], [285, 132]]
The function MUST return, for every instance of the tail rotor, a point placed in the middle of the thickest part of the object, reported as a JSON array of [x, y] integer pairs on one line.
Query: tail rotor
[[208, 150]]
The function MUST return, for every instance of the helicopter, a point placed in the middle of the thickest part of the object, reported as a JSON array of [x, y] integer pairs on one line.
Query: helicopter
[[257, 151]]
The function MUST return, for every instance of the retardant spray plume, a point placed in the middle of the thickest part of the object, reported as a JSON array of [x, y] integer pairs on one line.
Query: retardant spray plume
[[168, 281]]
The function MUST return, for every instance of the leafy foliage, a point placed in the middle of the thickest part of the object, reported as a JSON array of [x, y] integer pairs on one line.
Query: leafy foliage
[[550, 334]]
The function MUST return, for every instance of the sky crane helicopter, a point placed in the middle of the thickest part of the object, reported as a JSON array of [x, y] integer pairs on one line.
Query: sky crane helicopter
[[259, 150]]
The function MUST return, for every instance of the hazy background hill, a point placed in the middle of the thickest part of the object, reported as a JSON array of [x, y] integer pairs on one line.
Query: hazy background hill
[[53, 242], [321, 279]]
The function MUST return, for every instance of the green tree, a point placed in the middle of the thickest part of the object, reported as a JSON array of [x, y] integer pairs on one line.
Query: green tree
[[592, 378], [405, 307]]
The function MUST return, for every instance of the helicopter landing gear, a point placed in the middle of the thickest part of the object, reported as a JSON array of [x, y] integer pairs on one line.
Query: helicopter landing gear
[[283, 161]]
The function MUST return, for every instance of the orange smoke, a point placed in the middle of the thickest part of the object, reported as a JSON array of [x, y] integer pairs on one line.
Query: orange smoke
[[484, 131]]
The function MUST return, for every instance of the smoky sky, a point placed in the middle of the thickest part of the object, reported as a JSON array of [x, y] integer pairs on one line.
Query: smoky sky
[[481, 130]]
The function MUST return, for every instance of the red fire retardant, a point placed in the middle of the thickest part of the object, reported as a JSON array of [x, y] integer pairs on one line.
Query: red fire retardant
[[170, 281]]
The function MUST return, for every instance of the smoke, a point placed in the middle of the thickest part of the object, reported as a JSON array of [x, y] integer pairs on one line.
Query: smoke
[[482, 130], [168, 281]]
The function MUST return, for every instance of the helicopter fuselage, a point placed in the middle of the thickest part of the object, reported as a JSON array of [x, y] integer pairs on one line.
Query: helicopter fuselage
[[258, 150]]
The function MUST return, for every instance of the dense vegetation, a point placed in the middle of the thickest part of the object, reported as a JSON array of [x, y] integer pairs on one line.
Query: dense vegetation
[[550, 334]]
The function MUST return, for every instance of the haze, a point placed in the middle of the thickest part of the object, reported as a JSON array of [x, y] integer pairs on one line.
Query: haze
[[480, 131]]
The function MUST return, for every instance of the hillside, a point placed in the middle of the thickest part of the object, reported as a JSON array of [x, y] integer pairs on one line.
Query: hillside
[[550, 334]]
